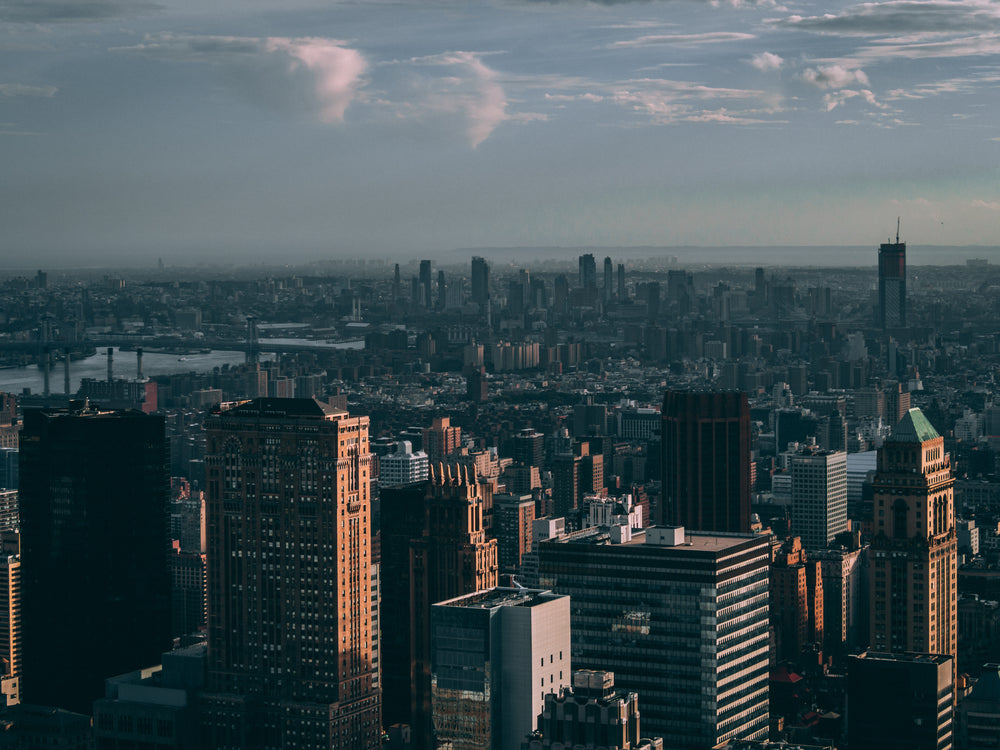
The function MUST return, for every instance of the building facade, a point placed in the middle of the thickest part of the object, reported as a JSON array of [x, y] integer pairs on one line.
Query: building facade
[[706, 461], [679, 617], [451, 558], [900, 700], [289, 579], [95, 550], [819, 496], [913, 576], [495, 655], [892, 284]]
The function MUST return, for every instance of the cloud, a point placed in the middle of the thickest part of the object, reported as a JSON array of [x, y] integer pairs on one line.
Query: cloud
[[61, 11], [834, 77], [988, 205], [836, 98], [19, 89], [472, 89], [309, 73], [900, 17], [766, 61], [709, 37]]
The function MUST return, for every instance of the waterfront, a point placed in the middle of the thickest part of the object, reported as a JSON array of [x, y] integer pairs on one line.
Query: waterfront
[[16, 379]]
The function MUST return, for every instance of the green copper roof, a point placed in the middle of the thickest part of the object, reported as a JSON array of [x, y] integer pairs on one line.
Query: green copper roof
[[914, 427]]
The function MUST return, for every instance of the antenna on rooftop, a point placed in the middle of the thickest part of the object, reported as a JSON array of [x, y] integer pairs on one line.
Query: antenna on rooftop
[[897, 230]]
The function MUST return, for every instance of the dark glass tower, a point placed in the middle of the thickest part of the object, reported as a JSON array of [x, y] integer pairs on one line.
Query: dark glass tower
[[892, 283], [95, 550], [706, 461]]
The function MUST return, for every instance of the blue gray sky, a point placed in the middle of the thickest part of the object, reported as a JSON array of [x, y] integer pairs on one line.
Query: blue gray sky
[[194, 130]]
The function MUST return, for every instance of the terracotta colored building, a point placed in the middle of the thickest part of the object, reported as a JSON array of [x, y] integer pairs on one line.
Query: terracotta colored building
[[290, 617]]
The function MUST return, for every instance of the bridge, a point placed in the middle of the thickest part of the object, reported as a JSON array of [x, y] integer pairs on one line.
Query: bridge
[[251, 346]]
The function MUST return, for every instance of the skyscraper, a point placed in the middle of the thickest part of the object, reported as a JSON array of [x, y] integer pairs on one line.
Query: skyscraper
[[425, 284], [289, 579], [495, 655], [706, 461], [819, 496], [892, 283], [679, 617], [452, 557], [913, 565], [441, 439], [901, 701], [480, 282], [95, 550], [588, 271], [609, 280]]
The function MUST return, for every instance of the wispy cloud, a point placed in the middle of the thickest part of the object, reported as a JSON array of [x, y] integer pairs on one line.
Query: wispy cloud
[[708, 37], [471, 88], [311, 72], [666, 101], [988, 205], [20, 89], [900, 17], [766, 61], [66, 11]]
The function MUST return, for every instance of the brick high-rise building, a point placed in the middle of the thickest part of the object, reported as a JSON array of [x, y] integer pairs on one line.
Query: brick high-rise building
[[796, 602], [452, 557], [95, 549], [441, 439], [706, 461], [290, 618], [913, 564]]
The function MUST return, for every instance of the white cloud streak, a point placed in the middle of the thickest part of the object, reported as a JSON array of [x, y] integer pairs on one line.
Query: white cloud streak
[[20, 89]]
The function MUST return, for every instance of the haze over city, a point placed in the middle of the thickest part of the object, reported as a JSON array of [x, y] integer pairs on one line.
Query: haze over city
[[249, 131]]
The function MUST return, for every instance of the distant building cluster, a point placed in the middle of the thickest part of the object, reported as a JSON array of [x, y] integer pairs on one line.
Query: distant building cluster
[[598, 505]]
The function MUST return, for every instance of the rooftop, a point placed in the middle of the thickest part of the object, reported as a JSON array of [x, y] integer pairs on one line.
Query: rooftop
[[914, 427], [696, 541], [501, 597], [283, 408]]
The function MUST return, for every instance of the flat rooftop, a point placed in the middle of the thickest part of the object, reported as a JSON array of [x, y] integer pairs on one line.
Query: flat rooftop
[[695, 541], [501, 597], [906, 656]]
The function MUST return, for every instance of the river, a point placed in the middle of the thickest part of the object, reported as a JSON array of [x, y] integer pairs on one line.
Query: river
[[16, 379]]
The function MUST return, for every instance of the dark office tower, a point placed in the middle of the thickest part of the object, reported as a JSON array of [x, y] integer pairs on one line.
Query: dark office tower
[[480, 282], [442, 298], [901, 702], [892, 283], [621, 282], [402, 519], [588, 271], [397, 287], [913, 567], [706, 461], [528, 447], [425, 283], [453, 557], [653, 300], [561, 293], [291, 605], [95, 548], [609, 280]]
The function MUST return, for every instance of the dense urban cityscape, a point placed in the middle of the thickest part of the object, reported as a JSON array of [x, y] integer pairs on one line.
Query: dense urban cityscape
[[615, 502]]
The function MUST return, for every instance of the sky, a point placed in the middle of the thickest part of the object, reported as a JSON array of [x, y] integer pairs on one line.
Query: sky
[[201, 130]]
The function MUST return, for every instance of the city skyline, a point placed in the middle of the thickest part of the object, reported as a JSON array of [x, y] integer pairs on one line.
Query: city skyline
[[239, 131]]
